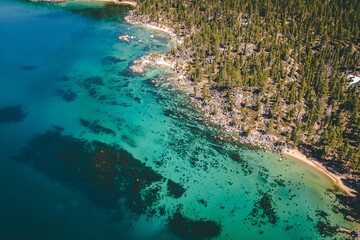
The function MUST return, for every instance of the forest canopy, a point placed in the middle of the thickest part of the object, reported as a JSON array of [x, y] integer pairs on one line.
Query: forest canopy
[[290, 59]]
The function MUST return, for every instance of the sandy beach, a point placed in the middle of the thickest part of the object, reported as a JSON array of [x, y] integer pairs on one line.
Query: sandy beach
[[146, 23], [336, 179], [130, 3], [119, 2]]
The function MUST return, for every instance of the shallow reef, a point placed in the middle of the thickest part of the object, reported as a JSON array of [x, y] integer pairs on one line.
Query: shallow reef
[[105, 174]]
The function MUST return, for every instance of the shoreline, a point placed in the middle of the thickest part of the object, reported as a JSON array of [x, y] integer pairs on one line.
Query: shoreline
[[146, 23], [118, 2], [264, 141], [179, 81], [142, 64], [334, 178], [129, 3]]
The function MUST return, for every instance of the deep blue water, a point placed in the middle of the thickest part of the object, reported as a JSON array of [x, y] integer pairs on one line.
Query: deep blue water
[[89, 151]]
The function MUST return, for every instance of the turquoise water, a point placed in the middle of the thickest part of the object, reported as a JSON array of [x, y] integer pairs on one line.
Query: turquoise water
[[89, 151]]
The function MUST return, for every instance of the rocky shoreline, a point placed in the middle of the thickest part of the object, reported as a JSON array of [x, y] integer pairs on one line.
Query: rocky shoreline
[[216, 112], [120, 2], [141, 65], [256, 139], [52, 1], [178, 80], [144, 21]]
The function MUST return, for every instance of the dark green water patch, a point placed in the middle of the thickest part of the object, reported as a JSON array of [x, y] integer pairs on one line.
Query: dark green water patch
[[94, 85], [263, 174], [58, 128], [263, 209], [12, 114], [104, 173], [151, 196], [95, 127], [128, 140], [91, 81], [133, 97], [67, 94], [64, 79], [29, 67], [175, 190], [141, 202], [245, 166], [280, 182], [203, 202], [86, 166], [190, 229], [323, 226], [325, 229], [92, 92], [351, 207], [111, 60], [109, 11]]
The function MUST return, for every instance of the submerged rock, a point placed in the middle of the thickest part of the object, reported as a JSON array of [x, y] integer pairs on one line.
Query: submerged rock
[[95, 127], [325, 229], [12, 114], [92, 81], [175, 189], [280, 182], [323, 226], [124, 38], [246, 168], [203, 202], [266, 205], [263, 209], [68, 95], [128, 140], [111, 60], [191, 229]]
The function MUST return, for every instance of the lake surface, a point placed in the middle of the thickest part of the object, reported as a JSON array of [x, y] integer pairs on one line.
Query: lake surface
[[90, 151]]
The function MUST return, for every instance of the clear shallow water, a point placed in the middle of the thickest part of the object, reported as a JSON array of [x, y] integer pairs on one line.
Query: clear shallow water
[[91, 152]]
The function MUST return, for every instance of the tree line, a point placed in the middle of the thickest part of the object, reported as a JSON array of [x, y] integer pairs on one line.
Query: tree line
[[291, 60]]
